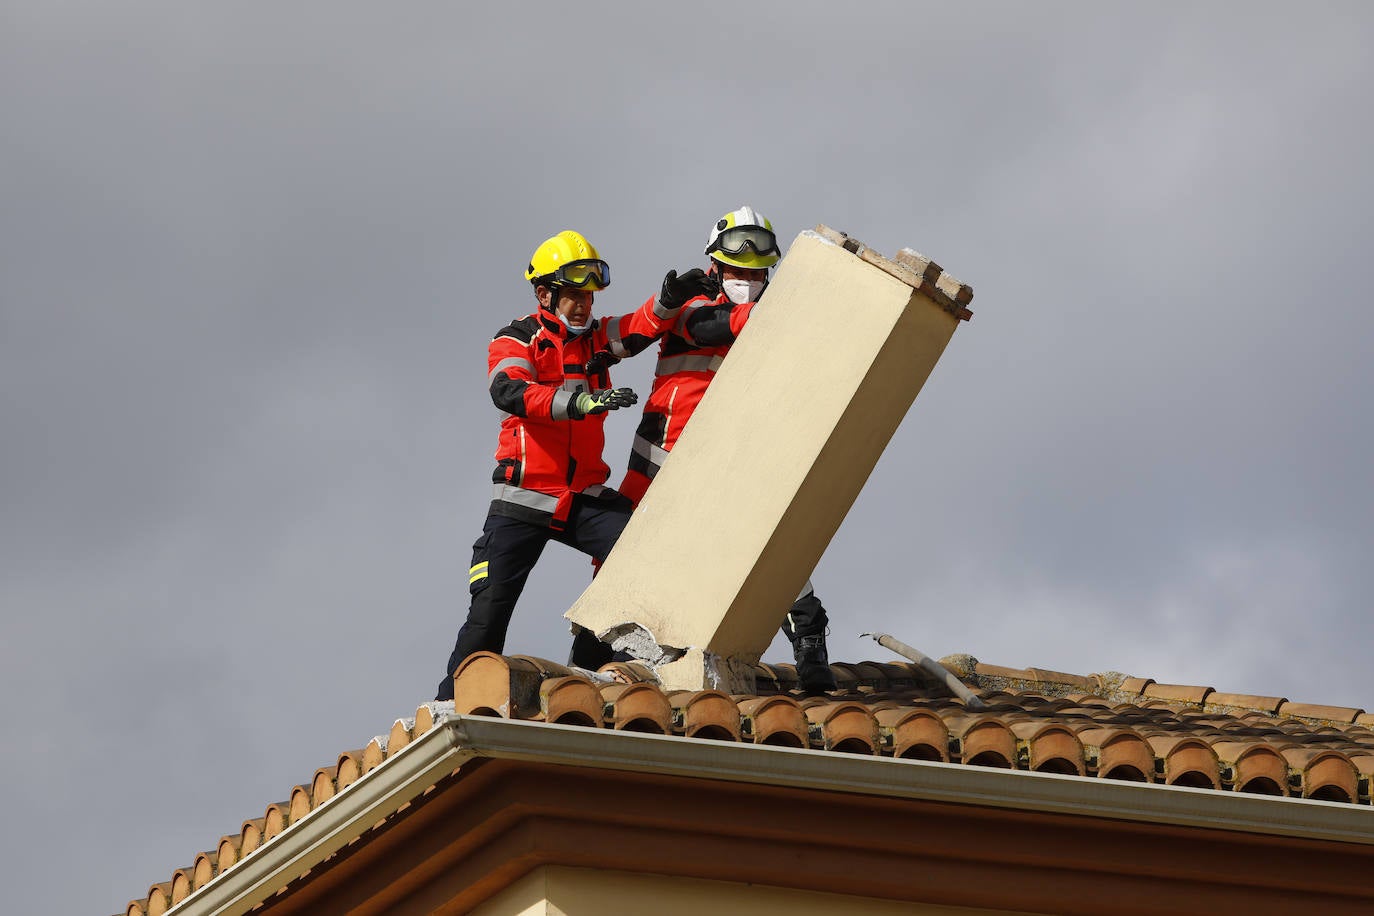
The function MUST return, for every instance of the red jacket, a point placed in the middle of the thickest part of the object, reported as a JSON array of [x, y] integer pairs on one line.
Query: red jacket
[[534, 367], [688, 358]]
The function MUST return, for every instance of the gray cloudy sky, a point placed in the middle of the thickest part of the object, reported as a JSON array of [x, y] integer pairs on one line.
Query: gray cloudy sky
[[251, 255]]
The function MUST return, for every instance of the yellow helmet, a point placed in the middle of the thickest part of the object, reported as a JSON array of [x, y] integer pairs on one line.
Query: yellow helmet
[[568, 259], [744, 238]]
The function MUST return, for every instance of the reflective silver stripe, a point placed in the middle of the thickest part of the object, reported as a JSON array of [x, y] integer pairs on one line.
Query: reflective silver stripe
[[574, 384], [508, 362], [649, 452], [559, 409], [665, 313], [680, 326], [613, 341], [595, 490], [674, 364], [530, 499]]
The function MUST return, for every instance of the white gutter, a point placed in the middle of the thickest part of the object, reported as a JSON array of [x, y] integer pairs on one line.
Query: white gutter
[[454, 740]]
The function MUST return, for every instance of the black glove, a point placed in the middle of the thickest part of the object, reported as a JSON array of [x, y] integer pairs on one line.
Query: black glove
[[584, 403], [678, 291], [601, 361]]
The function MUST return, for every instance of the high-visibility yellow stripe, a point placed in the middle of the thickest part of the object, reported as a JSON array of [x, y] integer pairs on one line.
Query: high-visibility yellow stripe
[[477, 572]]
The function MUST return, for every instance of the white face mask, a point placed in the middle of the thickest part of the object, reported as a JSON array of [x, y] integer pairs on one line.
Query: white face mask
[[574, 329], [742, 291]]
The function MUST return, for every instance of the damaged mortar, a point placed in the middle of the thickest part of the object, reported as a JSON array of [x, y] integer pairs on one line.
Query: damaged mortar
[[635, 639], [682, 669]]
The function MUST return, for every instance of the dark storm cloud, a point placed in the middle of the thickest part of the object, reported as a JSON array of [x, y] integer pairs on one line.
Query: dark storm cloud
[[250, 258]]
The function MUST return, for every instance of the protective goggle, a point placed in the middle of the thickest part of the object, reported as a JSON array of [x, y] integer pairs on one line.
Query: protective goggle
[[591, 273], [736, 240]]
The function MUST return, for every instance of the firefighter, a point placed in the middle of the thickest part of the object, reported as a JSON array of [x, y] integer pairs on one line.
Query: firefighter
[[550, 477], [741, 249]]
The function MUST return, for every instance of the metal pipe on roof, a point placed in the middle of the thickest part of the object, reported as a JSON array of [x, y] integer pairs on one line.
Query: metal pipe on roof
[[930, 665]]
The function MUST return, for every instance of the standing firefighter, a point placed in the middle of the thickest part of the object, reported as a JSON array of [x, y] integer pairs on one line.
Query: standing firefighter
[[550, 475], [742, 248]]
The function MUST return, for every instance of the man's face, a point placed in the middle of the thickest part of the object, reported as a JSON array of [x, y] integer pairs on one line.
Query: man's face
[[574, 305]]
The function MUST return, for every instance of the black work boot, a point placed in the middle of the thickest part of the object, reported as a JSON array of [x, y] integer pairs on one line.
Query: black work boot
[[813, 665]]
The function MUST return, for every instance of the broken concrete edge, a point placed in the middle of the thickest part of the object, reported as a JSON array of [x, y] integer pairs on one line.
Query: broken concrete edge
[[687, 668], [910, 266]]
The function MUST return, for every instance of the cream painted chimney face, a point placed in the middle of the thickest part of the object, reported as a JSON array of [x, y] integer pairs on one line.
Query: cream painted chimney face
[[773, 458]]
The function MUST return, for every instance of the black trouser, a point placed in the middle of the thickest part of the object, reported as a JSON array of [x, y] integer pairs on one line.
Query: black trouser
[[502, 559], [806, 618]]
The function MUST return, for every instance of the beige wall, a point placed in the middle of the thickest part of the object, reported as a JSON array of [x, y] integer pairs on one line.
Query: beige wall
[[563, 891], [774, 457]]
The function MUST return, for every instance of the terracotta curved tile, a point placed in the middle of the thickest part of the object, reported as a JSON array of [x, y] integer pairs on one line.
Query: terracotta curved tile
[[1239, 701], [227, 853], [374, 753], [984, 742], [776, 720], [1343, 714], [1255, 768], [570, 700], [399, 736], [765, 679], [159, 899], [1062, 678], [204, 869], [983, 669], [487, 684], [914, 734], [251, 835], [348, 769], [846, 677], [785, 676], [1118, 753], [1326, 775], [846, 727], [705, 714], [871, 674], [629, 673], [1090, 700], [1178, 693], [427, 714], [300, 805], [544, 666], [181, 885], [1188, 761], [1135, 686], [322, 785], [636, 708], [1049, 748], [276, 819], [1363, 762], [137, 907]]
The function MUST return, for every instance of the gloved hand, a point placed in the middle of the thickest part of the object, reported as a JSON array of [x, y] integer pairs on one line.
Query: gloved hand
[[677, 291], [584, 403], [601, 361]]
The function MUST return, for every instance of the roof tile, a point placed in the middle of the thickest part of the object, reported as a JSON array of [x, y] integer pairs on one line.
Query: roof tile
[[1108, 726], [1181, 693], [1323, 713]]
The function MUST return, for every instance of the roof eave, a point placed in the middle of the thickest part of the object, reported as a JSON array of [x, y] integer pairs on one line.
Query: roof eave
[[457, 739]]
